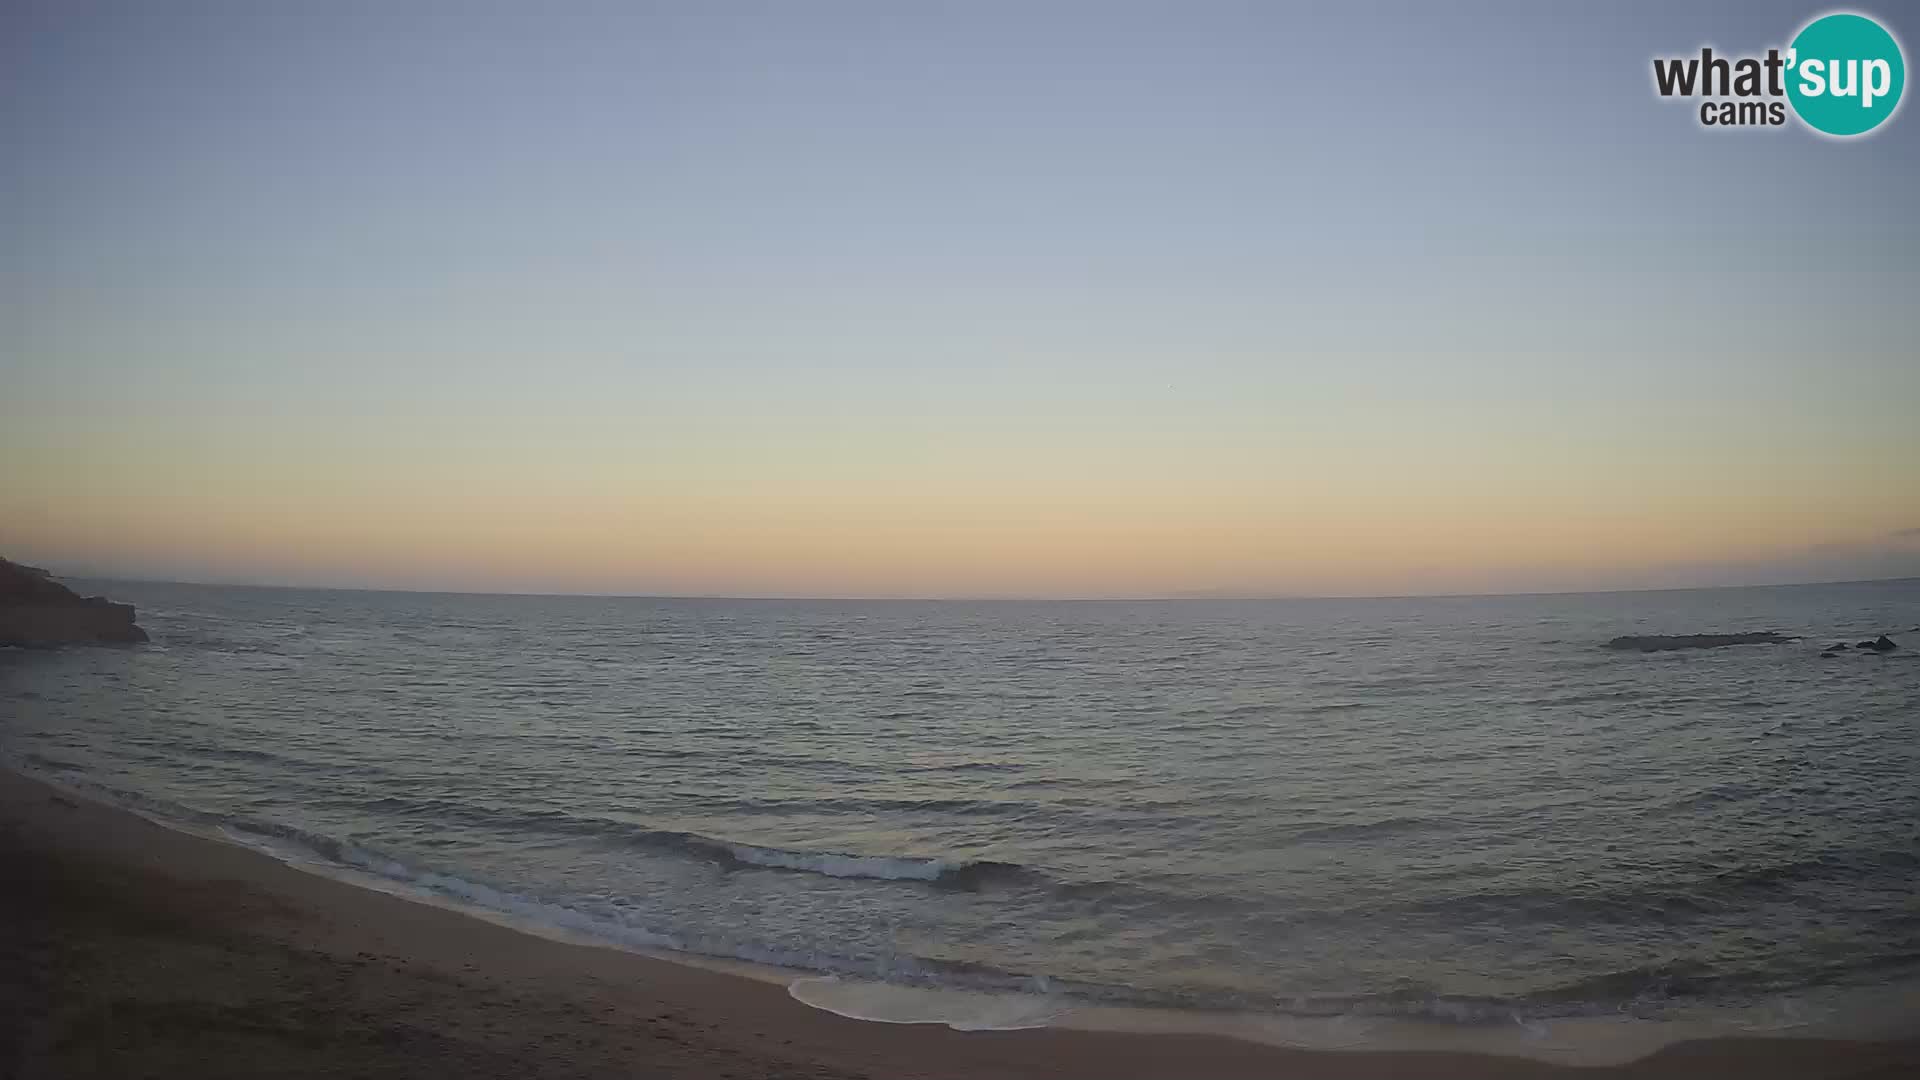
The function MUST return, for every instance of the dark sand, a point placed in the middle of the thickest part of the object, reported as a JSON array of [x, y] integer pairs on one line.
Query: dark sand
[[133, 950]]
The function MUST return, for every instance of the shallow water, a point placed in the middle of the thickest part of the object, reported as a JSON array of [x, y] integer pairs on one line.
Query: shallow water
[[1463, 809]]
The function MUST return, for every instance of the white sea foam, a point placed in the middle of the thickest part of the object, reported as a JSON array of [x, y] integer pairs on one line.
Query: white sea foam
[[962, 1010]]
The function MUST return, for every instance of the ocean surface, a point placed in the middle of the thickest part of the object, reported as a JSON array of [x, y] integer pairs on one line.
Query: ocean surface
[[1462, 811]]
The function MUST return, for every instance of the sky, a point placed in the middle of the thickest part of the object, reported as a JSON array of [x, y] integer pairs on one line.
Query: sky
[[915, 299]]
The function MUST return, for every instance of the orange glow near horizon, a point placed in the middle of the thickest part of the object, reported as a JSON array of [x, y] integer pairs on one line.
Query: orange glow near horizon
[[1026, 519]]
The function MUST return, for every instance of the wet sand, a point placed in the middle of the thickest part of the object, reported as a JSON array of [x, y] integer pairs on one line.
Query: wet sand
[[128, 949]]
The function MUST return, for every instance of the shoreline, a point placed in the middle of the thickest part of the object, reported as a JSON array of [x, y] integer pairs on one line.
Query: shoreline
[[1597, 1038], [270, 967]]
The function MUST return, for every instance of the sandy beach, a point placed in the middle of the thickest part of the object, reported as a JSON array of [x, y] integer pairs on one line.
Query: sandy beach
[[135, 950]]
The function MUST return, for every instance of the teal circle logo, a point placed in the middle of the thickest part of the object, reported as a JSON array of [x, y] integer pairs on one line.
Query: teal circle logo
[[1845, 73]]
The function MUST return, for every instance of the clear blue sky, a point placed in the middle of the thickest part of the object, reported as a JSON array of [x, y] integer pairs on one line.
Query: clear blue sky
[[961, 298]]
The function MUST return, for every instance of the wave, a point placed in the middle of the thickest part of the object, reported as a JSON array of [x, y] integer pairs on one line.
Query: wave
[[1706, 892], [969, 766], [1629, 991], [965, 874], [1392, 826], [623, 923], [953, 873], [1712, 892], [1587, 697], [587, 824]]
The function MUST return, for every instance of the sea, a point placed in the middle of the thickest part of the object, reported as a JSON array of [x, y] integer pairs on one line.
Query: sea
[[1448, 821]]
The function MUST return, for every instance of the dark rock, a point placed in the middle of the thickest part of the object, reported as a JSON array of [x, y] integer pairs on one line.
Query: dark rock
[[1882, 644], [1837, 648], [1863, 644], [1662, 643], [36, 610], [1828, 655]]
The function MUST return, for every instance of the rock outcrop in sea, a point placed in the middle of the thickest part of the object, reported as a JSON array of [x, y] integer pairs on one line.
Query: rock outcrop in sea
[[1666, 643], [37, 611]]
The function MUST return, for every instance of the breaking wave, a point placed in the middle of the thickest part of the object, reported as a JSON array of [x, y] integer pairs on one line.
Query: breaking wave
[[958, 873], [624, 924]]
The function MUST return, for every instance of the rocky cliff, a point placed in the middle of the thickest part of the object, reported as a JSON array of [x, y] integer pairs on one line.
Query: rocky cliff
[[36, 610]]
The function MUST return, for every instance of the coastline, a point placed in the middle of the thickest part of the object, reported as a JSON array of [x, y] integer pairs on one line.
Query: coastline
[[139, 949]]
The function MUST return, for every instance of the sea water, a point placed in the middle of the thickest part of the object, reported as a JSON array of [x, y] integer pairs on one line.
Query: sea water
[[1312, 816]]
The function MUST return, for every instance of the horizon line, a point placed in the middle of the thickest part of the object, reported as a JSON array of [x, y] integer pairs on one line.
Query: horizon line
[[1200, 597]]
